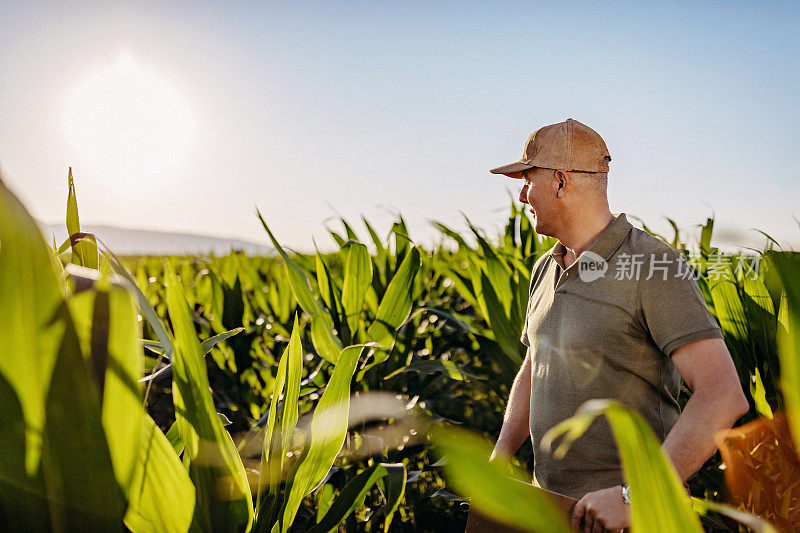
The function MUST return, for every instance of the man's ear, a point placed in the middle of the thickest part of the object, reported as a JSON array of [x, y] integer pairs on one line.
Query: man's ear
[[561, 180]]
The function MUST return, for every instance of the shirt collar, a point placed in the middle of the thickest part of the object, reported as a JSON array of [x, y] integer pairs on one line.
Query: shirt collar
[[606, 243]]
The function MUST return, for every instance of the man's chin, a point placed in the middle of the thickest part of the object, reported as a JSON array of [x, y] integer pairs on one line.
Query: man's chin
[[540, 228]]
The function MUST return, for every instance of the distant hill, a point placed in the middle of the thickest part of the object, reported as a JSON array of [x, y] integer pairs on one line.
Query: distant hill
[[126, 241]]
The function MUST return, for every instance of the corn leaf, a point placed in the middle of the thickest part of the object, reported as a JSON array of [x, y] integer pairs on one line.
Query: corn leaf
[[77, 465], [394, 489], [328, 430], [105, 319], [290, 369], [326, 343], [396, 303], [787, 265], [357, 279], [84, 246], [497, 271], [353, 494], [324, 282], [759, 395], [162, 497], [758, 525], [492, 492], [57, 437], [145, 307], [223, 493], [658, 500], [506, 336], [374, 236], [394, 309], [29, 300], [206, 346]]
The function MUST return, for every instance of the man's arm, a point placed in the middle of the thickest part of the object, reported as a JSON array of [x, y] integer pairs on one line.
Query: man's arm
[[516, 419], [716, 404]]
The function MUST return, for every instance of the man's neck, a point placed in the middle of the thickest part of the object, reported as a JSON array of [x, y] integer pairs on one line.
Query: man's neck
[[582, 234]]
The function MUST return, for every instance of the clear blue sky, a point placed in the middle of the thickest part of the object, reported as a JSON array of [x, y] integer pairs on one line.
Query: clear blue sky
[[305, 108]]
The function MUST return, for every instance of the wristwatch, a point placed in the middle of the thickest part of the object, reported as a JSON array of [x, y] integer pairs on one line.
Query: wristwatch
[[626, 494]]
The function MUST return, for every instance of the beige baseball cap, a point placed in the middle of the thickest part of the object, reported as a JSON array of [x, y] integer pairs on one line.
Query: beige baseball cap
[[568, 145]]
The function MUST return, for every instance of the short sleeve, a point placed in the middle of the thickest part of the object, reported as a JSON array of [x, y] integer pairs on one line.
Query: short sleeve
[[672, 307], [524, 337]]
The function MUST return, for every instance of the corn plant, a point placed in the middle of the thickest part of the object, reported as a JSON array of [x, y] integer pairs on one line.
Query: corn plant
[[496, 282], [80, 451]]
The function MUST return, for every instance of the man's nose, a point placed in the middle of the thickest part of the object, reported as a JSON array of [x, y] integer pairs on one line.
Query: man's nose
[[523, 194]]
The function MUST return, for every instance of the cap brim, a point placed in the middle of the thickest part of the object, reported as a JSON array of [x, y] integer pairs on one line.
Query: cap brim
[[512, 170]]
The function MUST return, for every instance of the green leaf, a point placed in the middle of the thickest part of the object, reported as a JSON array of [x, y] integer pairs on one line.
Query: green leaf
[[294, 371], [506, 336], [328, 430], [497, 271], [758, 525], [145, 307], [29, 300], [729, 308], [396, 303], [18, 492], [462, 284], [56, 469], [64, 246], [326, 286], [210, 342], [374, 236], [658, 499], [122, 405], [760, 396], [351, 235], [73, 221], [174, 438], [705, 236], [326, 343], [357, 279], [394, 309], [401, 240], [84, 246], [324, 500], [162, 497], [394, 489], [282, 414], [330, 292], [206, 346], [787, 265], [492, 492], [352, 496], [76, 461], [223, 493], [271, 466]]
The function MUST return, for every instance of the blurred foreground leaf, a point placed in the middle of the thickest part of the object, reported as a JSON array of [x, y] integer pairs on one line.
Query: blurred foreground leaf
[[492, 492]]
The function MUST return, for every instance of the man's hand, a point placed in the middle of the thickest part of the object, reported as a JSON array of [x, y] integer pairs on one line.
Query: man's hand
[[601, 511]]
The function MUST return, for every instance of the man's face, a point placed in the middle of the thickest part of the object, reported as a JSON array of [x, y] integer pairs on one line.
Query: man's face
[[538, 192]]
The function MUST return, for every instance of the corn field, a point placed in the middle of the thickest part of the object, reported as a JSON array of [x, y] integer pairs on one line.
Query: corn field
[[351, 391]]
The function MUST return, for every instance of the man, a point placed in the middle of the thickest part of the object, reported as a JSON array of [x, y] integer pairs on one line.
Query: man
[[613, 313]]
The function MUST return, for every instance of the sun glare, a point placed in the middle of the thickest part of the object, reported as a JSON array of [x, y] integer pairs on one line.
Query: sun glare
[[125, 121]]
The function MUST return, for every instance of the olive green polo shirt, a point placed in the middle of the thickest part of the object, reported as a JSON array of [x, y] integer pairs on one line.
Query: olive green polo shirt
[[609, 337]]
